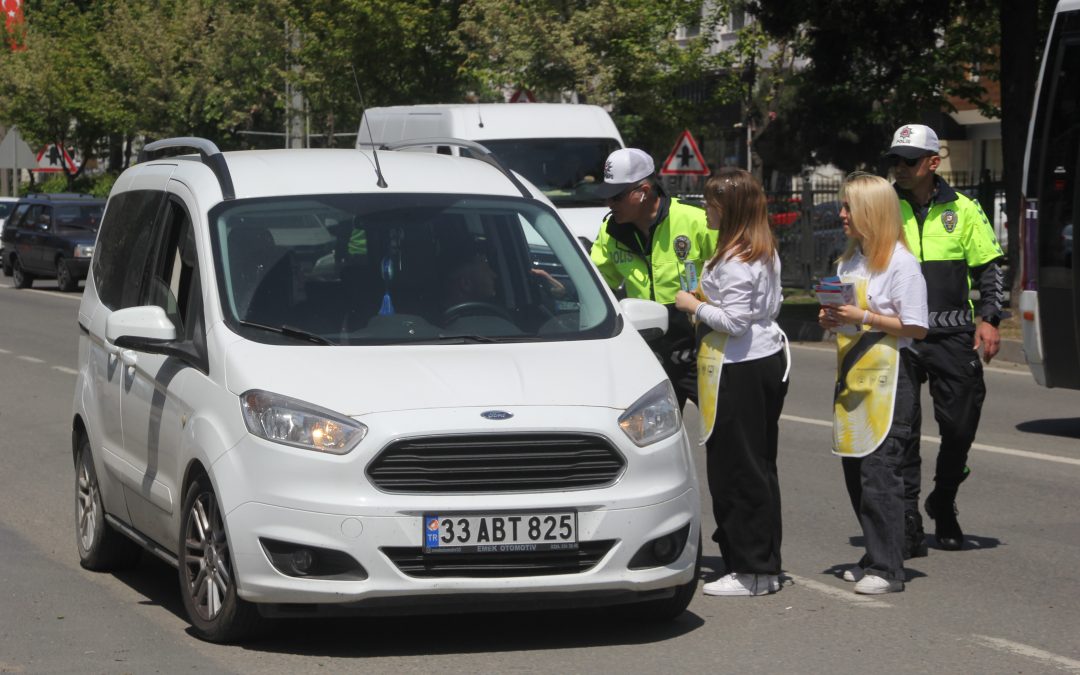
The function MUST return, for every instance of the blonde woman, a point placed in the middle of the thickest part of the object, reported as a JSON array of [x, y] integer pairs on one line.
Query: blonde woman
[[874, 401], [742, 382]]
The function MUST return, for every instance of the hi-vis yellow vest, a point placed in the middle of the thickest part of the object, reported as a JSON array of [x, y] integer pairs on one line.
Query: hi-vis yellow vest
[[868, 364]]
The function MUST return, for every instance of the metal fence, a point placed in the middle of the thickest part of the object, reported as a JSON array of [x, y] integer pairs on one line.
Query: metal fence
[[806, 220]]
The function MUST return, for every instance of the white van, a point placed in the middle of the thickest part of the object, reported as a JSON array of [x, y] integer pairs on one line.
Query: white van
[[560, 148], [318, 388]]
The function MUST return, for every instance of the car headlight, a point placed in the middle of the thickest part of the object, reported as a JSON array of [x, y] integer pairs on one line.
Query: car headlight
[[653, 417], [285, 420], [84, 251]]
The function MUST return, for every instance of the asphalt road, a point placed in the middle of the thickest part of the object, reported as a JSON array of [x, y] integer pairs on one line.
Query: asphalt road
[[1005, 604]]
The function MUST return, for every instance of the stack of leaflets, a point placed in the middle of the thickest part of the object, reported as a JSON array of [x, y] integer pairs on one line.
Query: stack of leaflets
[[833, 291]]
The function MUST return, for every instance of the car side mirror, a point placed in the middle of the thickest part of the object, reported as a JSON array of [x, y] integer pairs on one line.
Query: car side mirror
[[647, 317], [145, 328]]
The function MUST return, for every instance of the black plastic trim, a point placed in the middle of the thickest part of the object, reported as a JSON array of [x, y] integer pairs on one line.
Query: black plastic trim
[[412, 561], [208, 154]]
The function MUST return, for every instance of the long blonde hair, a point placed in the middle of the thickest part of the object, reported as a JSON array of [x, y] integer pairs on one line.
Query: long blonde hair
[[874, 216], [744, 216]]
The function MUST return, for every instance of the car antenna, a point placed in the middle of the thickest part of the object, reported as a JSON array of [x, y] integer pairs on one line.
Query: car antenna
[[480, 114], [374, 151]]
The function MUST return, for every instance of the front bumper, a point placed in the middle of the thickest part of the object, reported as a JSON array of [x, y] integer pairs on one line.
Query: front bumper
[[281, 494]]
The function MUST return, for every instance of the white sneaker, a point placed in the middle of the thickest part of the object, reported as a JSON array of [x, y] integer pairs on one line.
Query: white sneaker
[[742, 584], [872, 584], [853, 573]]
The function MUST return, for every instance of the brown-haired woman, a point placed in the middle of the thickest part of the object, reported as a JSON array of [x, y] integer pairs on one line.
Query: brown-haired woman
[[742, 382], [874, 400]]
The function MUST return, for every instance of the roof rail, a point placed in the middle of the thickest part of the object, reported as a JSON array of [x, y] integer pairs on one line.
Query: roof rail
[[208, 153], [482, 154]]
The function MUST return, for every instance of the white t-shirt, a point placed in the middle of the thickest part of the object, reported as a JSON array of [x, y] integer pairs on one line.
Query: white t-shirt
[[898, 291], [743, 301]]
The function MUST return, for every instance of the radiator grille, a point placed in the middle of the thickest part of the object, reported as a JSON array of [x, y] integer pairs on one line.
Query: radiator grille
[[487, 463]]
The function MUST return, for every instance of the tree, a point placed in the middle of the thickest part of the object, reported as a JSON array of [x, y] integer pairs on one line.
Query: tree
[[874, 64], [399, 50], [624, 54]]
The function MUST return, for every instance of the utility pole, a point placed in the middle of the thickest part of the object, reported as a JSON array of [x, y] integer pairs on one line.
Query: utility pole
[[295, 132]]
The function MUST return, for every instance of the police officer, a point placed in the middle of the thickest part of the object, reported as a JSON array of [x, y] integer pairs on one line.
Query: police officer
[[955, 243], [657, 245]]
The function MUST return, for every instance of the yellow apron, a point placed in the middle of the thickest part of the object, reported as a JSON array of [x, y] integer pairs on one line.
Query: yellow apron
[[868, 364], [710, 360]]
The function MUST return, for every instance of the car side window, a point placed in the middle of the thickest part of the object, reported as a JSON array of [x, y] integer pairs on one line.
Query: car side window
[[173, 281], [17, 217], [123, 247]]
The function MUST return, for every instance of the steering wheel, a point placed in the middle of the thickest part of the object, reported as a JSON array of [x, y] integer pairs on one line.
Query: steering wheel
[[472, 307]]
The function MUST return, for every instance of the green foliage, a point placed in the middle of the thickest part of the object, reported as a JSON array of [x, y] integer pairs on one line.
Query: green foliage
[[875, 64], [98, 185], [618, 53]]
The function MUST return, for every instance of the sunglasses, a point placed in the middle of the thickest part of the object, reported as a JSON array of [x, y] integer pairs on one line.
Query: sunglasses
[[623, 195], [912, 161]]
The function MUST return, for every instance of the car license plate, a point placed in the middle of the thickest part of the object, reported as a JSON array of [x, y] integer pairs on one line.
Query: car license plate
[[503, 533]]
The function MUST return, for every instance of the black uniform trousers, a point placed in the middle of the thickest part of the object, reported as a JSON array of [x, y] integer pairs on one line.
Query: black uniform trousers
[[876, 487], [955, 373], [741, 464]]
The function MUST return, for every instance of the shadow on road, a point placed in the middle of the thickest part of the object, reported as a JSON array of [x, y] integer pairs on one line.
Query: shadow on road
[[421, 635], [1064, 427]]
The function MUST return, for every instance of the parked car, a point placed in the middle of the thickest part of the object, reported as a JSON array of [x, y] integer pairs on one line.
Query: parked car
[[316, 396], [783, 212], [51, 235]]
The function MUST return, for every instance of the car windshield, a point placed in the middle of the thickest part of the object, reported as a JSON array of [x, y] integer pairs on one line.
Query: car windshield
[[567, 170], [78, 216], [394, 269]]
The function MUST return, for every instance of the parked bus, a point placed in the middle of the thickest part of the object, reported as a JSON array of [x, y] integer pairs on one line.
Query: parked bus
[[1050, 278]]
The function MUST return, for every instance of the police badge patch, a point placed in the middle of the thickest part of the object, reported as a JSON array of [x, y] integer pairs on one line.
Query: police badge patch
[[682, 246], [949, 220]]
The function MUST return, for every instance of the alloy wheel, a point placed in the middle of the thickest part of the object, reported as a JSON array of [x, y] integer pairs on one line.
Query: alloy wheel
[[206, 557], [88, 506]]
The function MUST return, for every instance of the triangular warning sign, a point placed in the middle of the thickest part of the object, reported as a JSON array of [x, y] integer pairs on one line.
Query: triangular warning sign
[[52, 159], [685, 159]]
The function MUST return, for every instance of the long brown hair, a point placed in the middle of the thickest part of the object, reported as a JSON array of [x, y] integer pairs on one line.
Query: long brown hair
[[744, 216], [874, 215]]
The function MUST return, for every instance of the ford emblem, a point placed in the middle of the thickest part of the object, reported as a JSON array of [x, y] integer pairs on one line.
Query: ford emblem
[[496, 415]]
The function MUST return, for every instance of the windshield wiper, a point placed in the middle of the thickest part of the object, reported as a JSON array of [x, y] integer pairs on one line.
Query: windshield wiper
[[291, 331], [487, 339]]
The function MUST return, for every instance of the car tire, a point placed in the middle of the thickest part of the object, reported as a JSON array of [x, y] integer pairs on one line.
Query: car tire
[[101, 548], [207, 575], [21, 278], [65, 280], [668, 608], [7, 266]]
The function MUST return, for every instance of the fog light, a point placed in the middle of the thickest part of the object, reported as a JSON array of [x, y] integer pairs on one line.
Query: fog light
[[312, 562], [662, 550], [302, 560]]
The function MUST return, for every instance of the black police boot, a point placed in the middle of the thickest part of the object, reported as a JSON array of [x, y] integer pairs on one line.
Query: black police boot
[[941, 506], [914, 537]]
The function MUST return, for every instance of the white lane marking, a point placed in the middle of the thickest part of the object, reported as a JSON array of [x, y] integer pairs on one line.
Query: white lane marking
[[974, 446], [31, 359], [807, 420], [51, 294], [65, 369], [833, 592], [1020, 649], [4, 351], [1018, 369]]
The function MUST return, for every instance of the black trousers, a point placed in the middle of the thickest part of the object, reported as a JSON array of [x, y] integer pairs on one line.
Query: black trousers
[[741, 464], [876, 487], [955, 374]]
